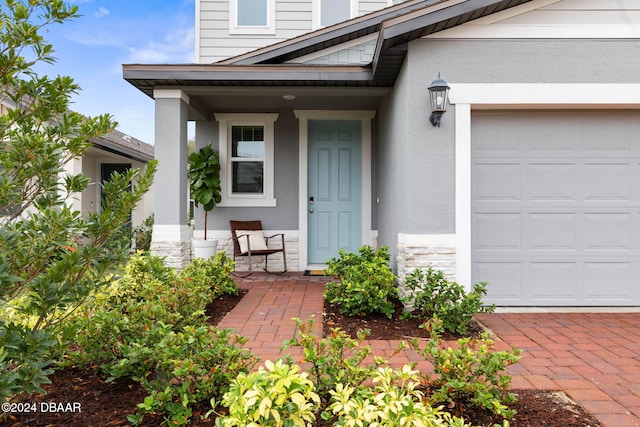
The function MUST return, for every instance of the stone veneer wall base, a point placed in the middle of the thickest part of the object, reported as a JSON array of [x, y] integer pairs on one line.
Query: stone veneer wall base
[[424, 251], [176, 254]]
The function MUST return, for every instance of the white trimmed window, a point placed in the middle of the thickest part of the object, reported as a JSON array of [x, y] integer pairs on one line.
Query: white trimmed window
[[252, 17], [246, 159]]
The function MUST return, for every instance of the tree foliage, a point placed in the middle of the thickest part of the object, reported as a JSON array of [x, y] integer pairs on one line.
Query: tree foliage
[[51, 257]]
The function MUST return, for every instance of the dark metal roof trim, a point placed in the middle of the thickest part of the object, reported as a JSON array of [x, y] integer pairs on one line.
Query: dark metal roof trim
[[148, 77]]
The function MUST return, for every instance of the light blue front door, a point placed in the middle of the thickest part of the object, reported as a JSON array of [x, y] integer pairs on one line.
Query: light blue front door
[[334, 204]]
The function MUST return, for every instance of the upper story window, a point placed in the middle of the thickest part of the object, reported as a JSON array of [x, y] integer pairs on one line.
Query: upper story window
[[329, 12], [252, 16], [246, 143], [334, 11]]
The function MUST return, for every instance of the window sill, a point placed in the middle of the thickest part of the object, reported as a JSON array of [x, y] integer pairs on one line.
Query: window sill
[[248, 203], [252, 30]]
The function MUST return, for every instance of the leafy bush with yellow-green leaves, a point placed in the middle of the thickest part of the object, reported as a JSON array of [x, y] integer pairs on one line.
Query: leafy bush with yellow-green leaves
[[394, 399], [471, 374], [278, 394], [151, 326]]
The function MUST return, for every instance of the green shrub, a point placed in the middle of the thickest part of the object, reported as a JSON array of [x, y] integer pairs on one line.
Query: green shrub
[[279, 395], [334, 359], [184, 368], [24, 360], [394, 400], [142, 234], [148, 295], [52, 257], [470, 375], [366, 283], [151, 326], [432, 295], [213, 273]]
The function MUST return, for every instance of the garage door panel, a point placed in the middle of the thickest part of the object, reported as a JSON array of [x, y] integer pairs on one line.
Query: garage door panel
[[504, 279], [551, 181], [498, 231], [619, 136], [556, 215], [554, 280], [497, 140], [607, 181], [607, 231], [553, 133], [496, 181], [553, 231], [606, 281]]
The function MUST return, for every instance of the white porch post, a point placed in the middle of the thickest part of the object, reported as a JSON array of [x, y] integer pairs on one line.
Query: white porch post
[[171, 235]]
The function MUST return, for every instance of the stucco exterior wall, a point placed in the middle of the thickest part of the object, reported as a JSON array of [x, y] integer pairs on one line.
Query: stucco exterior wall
[[430, 165], [391, 152], [525, 61]]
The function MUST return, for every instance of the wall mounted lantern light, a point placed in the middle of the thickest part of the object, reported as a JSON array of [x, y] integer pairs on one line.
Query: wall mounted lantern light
[[438, 94]]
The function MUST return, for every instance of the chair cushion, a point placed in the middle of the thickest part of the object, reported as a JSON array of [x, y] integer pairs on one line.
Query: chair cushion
[[256, 240]]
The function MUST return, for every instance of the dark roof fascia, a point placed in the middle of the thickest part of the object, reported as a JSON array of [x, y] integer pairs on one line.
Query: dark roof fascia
[[328, 36], [146, 77], [426, 19], [395, 33]]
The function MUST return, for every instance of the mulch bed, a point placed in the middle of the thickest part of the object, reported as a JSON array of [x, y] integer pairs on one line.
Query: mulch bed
[[383, 328], [108, 404]]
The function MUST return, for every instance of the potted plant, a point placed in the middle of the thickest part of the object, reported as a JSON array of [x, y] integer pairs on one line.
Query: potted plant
[[204, 181]]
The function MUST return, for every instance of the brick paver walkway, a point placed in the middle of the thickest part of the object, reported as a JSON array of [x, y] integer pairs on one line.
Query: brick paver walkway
[[593, 357]]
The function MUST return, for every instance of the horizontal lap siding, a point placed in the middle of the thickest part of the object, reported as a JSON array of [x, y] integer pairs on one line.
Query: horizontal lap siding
[[292, 19]]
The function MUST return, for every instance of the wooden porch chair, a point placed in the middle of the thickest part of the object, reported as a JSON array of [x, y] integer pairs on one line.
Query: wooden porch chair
[[249, 241]]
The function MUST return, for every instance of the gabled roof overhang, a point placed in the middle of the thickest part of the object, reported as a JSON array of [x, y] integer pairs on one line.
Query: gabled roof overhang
[[149, 77], [396, 33], [396, 27]]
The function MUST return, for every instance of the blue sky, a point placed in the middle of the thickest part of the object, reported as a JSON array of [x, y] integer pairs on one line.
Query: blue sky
[[93, 47]]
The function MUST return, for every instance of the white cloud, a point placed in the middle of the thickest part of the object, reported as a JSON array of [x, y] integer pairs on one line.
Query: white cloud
[[102, 11], [177, 46], [156, 39]]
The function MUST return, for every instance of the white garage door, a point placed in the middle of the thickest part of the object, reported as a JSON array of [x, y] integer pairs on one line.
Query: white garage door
[[556, 207]]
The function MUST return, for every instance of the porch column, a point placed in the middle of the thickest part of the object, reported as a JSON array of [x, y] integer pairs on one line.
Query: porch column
[[171, 235]]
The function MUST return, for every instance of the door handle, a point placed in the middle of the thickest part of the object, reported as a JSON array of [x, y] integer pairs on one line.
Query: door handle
[[310, 210]]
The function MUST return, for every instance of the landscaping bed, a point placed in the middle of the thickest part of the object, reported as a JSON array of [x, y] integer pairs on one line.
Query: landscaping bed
[[108, 404], [535, 408]]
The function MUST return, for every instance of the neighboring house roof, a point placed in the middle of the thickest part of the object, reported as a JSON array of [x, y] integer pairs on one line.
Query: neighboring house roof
[[395, 25], [124, 145], [115, 142]]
